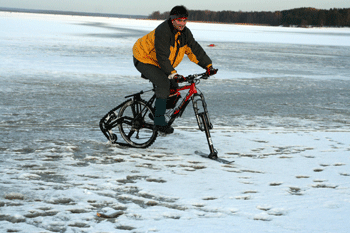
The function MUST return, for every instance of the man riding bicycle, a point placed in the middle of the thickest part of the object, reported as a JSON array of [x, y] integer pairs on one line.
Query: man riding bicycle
[[158, 53]]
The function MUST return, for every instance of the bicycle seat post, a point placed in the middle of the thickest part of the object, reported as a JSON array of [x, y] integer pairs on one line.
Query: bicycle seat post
[[136, 96]]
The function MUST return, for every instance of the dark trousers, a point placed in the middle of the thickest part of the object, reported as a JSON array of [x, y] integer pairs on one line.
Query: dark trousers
[[157, 77]]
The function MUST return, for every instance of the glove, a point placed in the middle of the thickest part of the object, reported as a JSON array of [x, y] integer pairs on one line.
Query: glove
[[178, 78], [211, 71], [172, 76]]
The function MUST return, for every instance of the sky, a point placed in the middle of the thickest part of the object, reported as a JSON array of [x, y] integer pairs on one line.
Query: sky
[[146, 7]]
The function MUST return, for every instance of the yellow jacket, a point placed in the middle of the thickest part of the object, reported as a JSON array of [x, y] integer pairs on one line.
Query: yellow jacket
[[165, 47]]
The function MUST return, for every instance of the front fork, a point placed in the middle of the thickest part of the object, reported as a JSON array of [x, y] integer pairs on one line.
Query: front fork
[[213, 153], [203, 120]]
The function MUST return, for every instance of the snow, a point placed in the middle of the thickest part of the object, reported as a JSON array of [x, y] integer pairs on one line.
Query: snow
[[265, 34], [286, 127]]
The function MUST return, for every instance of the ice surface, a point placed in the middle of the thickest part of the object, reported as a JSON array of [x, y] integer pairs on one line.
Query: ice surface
[[279, 105]]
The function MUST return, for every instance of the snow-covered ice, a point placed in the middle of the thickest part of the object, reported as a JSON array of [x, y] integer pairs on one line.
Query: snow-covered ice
[[279, 105]]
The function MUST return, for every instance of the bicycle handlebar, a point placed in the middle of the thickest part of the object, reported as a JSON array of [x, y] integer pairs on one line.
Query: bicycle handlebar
[[190, 78], [193, 76]]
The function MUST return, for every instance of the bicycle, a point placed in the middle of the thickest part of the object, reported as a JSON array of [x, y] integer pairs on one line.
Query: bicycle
[[135, 117]]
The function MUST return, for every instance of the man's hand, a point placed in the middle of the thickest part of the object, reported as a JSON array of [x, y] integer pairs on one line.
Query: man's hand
[[178, 78], [172, 76], [211, 71]]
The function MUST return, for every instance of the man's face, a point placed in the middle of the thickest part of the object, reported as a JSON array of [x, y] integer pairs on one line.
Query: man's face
[[179, 24]]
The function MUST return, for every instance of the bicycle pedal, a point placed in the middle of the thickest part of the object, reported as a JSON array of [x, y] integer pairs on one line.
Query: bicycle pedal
[[164, 129]]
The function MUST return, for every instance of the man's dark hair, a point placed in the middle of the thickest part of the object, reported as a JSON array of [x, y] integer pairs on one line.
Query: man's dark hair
[[178, 12]]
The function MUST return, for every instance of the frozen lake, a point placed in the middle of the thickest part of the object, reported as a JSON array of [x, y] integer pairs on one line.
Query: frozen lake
[[280, 106]]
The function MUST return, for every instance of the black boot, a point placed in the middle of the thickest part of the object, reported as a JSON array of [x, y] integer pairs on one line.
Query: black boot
[[159, 119]]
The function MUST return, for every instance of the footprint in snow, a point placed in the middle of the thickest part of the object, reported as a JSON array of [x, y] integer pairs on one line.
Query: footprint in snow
[[295, 191], [276, 183], [264, 207]]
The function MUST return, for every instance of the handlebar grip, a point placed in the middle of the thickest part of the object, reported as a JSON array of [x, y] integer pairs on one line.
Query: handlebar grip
[[180, 78]]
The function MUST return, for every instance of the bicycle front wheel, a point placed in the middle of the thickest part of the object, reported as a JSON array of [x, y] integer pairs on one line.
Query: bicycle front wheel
[[136, 126]]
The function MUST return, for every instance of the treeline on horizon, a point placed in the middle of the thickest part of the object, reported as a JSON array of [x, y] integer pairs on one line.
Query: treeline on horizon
[[57, 12], [302, 17]]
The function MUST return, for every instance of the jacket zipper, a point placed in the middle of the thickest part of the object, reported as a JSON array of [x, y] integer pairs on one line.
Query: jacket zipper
[[177, 51]]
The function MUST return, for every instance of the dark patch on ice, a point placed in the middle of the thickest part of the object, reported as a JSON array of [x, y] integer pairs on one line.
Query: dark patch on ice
[[14, 196], [7, 203], [12, 219], [252, 171], [276, 183], [136, 177], [194, 167], [309, 156], [35, 213], [126, 228], [79, 225], [295, 191], [277, 212], [175, 207], [125, 181], [250, 191], [13, 230], [324, 186], [155, 180], [339, 164], [248, 155], [209, 198], [79, 211], [62, 201], [245, 197]]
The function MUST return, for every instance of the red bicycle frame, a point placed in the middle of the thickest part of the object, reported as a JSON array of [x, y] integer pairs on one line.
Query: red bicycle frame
[[192, 90]]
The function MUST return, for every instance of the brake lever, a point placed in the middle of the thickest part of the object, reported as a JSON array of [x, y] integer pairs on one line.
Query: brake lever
[[205, 76], [191, 78]]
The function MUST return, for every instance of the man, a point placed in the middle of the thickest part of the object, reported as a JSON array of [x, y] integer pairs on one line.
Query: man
[[158, 53]]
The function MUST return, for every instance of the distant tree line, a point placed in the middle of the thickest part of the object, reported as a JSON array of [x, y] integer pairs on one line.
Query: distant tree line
[[72, 13], [301, 17]]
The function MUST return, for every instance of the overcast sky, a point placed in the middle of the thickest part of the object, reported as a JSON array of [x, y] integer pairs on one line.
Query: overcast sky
[[146, 7]]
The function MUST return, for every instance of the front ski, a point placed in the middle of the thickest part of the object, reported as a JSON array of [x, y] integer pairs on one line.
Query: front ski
[[204, 124], [215, 158]]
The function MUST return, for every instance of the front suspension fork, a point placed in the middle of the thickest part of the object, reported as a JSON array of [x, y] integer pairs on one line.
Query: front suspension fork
[[203, 120], [213, 153]]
